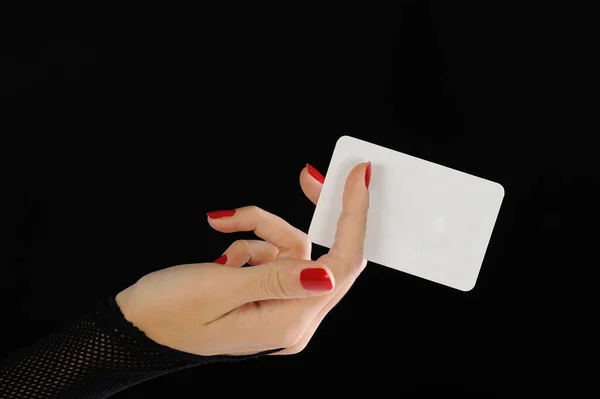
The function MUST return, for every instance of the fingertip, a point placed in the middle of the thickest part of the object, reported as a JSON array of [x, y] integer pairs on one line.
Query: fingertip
[[221, 260], [310, 186], [224, 221], [368, 175], [329, 273], [221, 214], [361, 169], [317, 279], [352, 222], [304, 175], [315, 174], [356, 193]]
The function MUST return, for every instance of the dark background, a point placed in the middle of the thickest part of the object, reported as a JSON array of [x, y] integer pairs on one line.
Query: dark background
[[122, 128]]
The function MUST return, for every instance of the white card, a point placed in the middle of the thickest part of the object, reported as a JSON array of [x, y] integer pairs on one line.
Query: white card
[[424, 219]]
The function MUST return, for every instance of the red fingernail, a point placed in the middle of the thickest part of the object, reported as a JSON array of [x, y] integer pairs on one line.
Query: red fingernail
[[221, 214], [315, 173], [222, 260], [316, 280], [368, 175]]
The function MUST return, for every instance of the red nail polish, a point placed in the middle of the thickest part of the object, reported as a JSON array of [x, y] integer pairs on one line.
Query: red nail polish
[[221, 214], [315, 173], [315, 280], [368, 175], [222, 260]]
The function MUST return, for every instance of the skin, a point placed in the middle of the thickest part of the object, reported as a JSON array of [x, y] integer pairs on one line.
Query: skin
[[212, 309]]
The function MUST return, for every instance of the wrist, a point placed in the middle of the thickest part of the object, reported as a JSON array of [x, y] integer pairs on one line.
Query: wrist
[[122, 301]]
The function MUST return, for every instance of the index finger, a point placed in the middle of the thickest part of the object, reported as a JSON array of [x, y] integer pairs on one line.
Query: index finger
[[352, 223]]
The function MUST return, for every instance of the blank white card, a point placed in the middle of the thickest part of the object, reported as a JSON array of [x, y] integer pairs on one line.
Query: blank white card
[[424, 219]]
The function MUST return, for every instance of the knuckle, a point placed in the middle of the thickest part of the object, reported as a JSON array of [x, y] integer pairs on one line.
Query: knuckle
[[265, 284], [245, 246], [255, 210], [240, 249], [272, 283], [237, 246]]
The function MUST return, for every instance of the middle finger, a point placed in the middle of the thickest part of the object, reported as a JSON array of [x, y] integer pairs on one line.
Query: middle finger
[[290, 241]]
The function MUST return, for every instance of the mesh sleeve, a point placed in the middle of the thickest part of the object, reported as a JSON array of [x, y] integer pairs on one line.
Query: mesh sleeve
[[94, 357]]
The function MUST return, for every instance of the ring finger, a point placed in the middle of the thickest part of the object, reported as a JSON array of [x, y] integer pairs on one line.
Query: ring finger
[[253, 252], [291, 242]]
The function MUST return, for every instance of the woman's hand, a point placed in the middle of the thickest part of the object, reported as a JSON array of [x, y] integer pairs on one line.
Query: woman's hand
[[224, 309]]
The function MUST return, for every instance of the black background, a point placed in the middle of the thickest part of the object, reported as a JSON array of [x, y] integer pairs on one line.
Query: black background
[[122, 128]]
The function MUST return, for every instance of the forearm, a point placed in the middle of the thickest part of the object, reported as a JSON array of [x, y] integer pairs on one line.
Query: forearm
[[95, 357]]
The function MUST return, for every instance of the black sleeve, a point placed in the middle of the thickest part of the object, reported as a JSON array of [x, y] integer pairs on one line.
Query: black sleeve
[[94, 357]]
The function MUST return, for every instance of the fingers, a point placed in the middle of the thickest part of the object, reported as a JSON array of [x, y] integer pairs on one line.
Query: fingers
[[352, 223], [311, 182], [253, 252], [290, 241], [282, 279]]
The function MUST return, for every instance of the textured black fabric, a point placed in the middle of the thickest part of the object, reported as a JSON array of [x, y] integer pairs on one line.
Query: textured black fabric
[[94, 357]]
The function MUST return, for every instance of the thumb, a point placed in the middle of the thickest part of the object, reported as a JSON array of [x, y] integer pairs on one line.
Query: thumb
[[286, 279]]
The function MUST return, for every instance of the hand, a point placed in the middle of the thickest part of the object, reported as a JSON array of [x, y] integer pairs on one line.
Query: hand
[[214, 309]]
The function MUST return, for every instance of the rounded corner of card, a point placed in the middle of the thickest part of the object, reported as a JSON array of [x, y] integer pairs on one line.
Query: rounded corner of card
[[468, 286], [499, 189], [344, 139]]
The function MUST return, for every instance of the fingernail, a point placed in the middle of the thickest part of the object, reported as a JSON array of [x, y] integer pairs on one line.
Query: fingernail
[[222, 260], [316, 280], [368, 175], [315, 173], [221, 214]]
